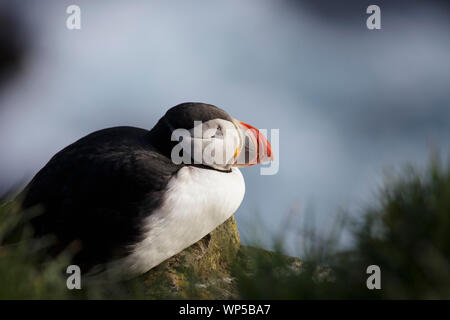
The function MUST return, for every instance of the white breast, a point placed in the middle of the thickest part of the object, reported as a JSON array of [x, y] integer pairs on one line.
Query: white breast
[[195, 203]]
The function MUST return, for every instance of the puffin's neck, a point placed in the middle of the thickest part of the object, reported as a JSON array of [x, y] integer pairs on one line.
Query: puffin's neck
[[160, 138]]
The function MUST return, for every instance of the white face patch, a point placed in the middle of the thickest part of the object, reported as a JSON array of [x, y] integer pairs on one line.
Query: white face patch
[[214, 143]]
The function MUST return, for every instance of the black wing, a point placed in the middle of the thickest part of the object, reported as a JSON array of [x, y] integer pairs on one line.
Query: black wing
[[98, 190]]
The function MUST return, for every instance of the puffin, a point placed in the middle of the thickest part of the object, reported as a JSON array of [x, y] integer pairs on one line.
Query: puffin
[[129, 198]]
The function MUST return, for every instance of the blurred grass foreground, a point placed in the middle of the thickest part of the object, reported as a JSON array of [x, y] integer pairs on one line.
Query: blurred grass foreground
[[406, 234]]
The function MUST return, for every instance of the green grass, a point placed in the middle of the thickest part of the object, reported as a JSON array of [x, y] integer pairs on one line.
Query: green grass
[[406, 233]]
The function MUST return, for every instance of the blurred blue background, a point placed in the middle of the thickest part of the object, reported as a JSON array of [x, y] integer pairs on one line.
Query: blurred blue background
[[349, 102]]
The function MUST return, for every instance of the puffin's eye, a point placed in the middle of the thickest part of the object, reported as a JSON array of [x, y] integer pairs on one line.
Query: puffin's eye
[[218, 133]]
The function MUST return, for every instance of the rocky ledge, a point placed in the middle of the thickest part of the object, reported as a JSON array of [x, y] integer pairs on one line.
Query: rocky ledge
[[205, 269]]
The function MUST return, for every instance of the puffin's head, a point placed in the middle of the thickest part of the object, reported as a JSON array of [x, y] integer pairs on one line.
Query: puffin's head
[[204, 134]]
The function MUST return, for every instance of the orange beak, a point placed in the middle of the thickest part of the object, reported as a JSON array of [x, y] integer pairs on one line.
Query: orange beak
[[255, 147]]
